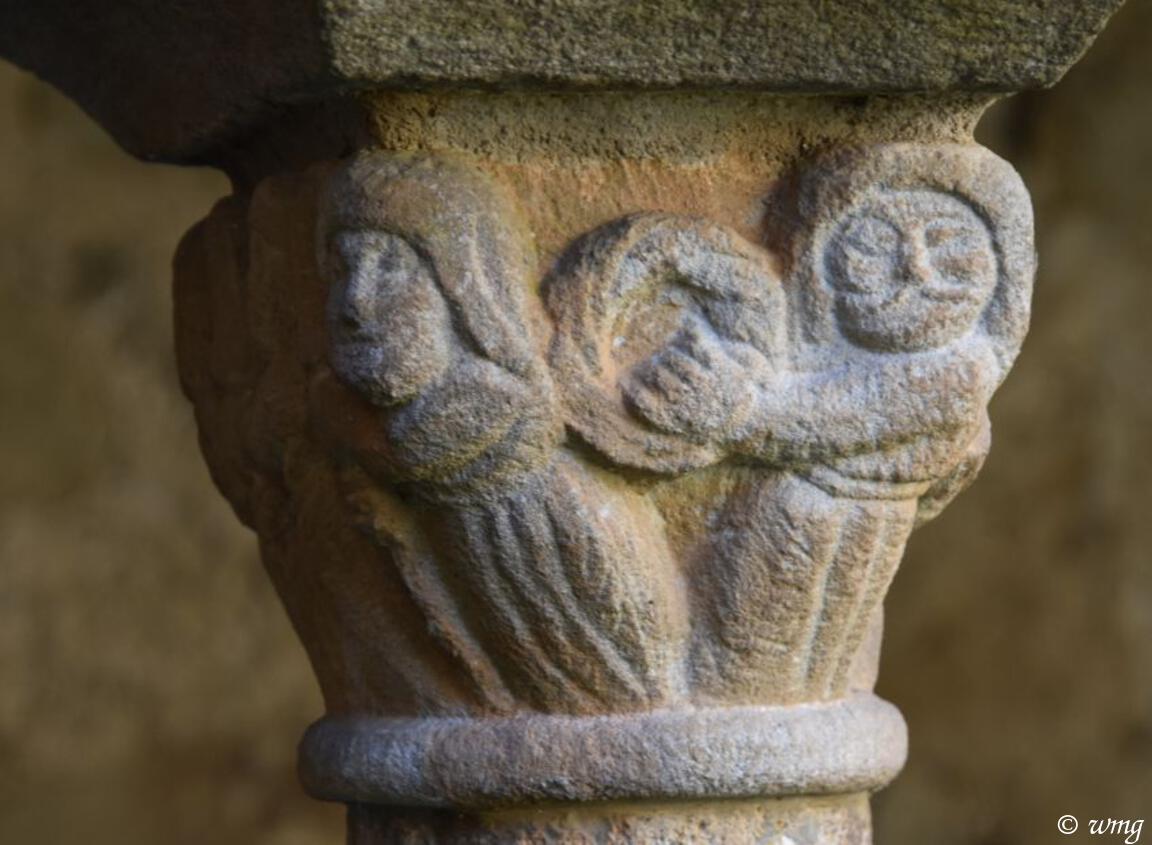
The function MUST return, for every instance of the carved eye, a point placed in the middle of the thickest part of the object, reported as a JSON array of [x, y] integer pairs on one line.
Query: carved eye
[[380, 256], [959, 251], [952, 235], [865, 255], [393, 254], [871, 236], [941, 235]]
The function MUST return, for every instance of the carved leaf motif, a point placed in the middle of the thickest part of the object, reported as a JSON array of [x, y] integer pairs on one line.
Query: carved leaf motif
[[573, 589], [790, 583]]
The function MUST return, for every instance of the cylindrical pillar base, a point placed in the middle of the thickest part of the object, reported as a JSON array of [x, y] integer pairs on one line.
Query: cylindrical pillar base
[[840, 820]]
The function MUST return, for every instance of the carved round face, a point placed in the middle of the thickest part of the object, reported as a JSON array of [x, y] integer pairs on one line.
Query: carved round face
[[388, 325], [911, 270]]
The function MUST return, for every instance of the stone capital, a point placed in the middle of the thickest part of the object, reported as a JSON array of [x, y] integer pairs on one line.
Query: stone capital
[[582, 383]]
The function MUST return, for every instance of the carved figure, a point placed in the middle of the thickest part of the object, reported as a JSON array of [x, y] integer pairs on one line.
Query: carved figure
[[544, 582], [838, 388], [908, 278]]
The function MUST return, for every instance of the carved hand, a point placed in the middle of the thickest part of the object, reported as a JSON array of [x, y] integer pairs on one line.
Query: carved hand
[[700, 385]]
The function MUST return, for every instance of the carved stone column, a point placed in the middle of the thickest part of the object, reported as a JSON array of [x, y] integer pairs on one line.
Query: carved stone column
[[584, 386]]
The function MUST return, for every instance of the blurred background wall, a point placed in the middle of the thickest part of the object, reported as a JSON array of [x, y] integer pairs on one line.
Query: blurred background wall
[[151, 690], [1019, 641]]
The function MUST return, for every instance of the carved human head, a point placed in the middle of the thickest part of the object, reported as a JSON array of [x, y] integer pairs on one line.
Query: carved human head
[[424, 258], [910, 270], [905, 247], [388, 325]]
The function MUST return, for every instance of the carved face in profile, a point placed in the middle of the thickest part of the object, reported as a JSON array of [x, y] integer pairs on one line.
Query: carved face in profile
[[910, 270], [388, 324]]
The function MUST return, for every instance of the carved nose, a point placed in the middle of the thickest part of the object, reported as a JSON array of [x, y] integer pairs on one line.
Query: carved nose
[[357, 302], [351, 318], [917, 267]]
